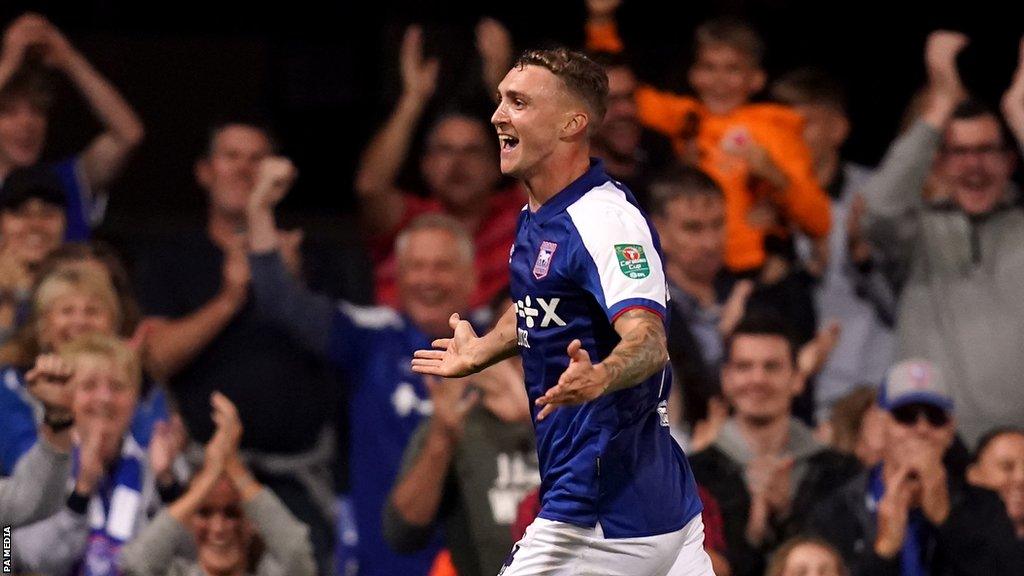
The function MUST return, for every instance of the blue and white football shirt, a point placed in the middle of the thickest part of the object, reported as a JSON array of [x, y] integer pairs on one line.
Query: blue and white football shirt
[[583, 258]]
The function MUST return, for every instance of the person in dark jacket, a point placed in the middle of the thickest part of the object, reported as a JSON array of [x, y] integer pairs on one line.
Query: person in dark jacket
[[908, 516], [765, 467]]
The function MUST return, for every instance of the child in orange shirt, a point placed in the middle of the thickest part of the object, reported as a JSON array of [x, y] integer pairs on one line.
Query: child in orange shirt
[[755, 152]]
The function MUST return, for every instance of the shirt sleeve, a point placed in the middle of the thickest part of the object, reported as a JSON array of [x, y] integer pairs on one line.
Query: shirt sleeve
[[19, 429], [617, 259], [83, 210], [353, 332], [665, 112]]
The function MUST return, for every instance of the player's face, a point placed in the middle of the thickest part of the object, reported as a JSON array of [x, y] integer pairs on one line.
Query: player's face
[[811, 560], [1001, 468], [22, 133], [724, 77], [229, 173], [692, 234], [435, 279], [975, 163], [620, 132], [759, 379], [532, 110], [459, 165], [31, 231], [104, 400]]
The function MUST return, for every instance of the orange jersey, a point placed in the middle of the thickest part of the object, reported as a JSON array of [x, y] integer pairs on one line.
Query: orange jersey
[[776, 128]]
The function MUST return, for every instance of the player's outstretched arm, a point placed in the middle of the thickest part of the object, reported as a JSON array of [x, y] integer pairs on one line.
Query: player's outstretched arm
[[466, 353], [641, 353]]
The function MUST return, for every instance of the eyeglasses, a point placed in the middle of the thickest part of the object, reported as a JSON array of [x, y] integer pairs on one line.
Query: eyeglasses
[[909, 415]]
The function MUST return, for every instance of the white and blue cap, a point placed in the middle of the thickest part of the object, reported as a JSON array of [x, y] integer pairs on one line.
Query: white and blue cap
[[915, 381]]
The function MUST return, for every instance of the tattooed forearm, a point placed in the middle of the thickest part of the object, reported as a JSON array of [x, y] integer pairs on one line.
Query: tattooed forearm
[[641, 353]]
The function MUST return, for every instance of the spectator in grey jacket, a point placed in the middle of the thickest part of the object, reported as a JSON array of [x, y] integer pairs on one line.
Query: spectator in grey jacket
[[114, 492], [36, 489], [224, 516], [962, 304]]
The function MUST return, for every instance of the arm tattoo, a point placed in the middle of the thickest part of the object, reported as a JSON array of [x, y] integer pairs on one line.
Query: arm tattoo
[[641, 352]]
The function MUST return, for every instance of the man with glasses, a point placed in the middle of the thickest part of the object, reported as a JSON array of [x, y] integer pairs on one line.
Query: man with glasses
[[962, 302], [908, 515]]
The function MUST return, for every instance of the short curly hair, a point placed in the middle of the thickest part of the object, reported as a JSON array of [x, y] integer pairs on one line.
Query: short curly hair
[[581, 75]]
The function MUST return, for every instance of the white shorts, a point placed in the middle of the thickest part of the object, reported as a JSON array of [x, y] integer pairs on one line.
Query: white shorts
[[552, 548]]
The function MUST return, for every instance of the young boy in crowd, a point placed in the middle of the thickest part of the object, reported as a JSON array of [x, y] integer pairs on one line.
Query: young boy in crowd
[[755, 152]]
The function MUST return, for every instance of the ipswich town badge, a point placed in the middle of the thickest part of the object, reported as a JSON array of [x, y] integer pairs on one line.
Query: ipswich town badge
[[543, 264]]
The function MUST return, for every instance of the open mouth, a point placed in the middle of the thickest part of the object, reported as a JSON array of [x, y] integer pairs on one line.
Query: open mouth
[[507, 142]]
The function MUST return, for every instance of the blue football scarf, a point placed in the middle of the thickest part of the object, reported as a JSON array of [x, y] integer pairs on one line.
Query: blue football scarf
[[113, 511]]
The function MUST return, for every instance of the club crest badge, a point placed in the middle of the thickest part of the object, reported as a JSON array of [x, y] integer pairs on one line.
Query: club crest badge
[[543, 263]]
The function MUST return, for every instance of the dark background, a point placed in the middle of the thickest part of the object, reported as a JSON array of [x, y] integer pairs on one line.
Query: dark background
[[323, 74]]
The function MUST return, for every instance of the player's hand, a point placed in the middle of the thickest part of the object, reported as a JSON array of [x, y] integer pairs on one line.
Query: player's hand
[[452, 357], [581, 382], [419, 76]]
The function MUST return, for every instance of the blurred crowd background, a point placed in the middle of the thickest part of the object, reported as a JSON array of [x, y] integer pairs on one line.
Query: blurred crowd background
[[225, 228]]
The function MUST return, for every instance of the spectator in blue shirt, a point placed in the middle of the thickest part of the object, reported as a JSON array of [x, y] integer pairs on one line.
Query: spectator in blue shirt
[[373, 346]]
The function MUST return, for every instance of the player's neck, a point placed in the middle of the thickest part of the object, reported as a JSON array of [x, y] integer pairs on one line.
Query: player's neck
[[557, 172], [765, 436]]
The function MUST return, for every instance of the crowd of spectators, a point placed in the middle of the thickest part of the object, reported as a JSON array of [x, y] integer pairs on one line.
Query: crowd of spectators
[[845, 340]]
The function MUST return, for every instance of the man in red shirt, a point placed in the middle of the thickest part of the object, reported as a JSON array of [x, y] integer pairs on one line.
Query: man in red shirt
[[459, 167]]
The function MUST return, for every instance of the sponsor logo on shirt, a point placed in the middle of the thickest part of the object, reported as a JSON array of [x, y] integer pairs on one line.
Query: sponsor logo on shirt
[[549, 306], [633, 261]]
